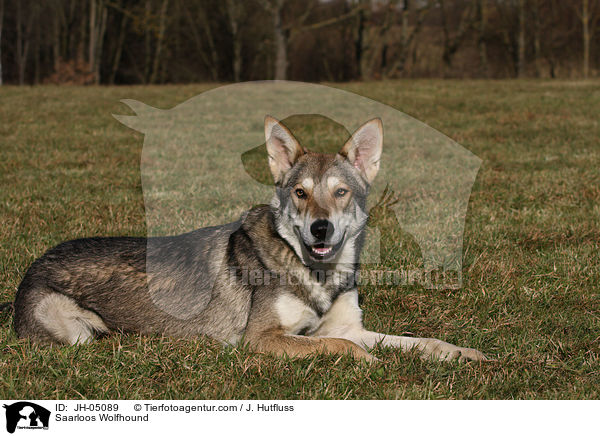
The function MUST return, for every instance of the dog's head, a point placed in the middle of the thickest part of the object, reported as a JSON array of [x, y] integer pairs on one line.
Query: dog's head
[[320, 198]]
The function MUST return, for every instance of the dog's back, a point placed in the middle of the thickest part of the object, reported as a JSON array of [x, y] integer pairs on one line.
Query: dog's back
[[158, 285]]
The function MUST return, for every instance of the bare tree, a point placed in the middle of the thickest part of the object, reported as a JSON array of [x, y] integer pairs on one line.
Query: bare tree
[[284, 33], [275, 8], [374, 42], [153, 41], [98, 17], [521, 40], [509, 31], [408, 35], [92, 41], [589, 16], [482, 13], [384, 40], [159, 40], [537, 44], [453, 42], [1, 21], [235, 11], [23, 38], [119, 45], [59, 19], [147, 39], [201, 20], [360, 36], [585, 21]]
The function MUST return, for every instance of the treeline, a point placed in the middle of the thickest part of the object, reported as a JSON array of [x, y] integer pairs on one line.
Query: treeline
[[174, 41]]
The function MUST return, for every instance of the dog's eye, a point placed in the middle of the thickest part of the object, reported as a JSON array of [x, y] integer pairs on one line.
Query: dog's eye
[[300, 193], [341, 192]]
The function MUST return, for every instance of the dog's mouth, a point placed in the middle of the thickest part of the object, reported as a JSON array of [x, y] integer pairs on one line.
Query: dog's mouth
[[323, 251]]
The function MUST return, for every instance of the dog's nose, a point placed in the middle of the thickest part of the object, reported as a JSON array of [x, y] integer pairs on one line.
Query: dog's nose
[[321, 229]]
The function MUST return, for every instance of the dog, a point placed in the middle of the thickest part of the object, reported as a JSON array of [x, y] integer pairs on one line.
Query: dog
[[304, 246]]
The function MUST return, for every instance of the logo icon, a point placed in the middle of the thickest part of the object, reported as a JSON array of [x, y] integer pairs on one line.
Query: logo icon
[[26, 415]]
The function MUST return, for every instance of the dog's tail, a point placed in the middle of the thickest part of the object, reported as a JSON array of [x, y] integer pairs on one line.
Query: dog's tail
[[6, 307]]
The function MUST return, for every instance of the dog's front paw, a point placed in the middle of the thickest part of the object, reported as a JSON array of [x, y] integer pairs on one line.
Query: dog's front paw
[[440, 350]]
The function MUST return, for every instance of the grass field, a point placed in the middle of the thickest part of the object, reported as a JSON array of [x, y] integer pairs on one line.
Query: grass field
[[531, 260]]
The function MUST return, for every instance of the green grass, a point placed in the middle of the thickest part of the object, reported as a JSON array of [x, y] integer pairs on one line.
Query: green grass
[[531, 257]]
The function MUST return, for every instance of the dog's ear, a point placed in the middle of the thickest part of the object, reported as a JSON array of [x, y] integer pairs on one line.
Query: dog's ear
[[283, 149], [363, 149]]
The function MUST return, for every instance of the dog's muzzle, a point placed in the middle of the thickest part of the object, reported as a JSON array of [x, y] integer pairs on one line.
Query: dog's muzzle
[[322, 230]]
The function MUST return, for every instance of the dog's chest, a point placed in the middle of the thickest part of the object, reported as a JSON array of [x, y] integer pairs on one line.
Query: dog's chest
[[295, 316], [300, 316]]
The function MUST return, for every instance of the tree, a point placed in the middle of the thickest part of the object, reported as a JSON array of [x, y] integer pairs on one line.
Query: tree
[[511, 33], [284, 33], [235, 11], [119, 43], [159, 40], [205, 45], [408, 35], [280, 35], [589, 16], [453, 42], [1, 21], [98, 16], [537, 44], [23, 38], [521, 40], [360, 37], [482, 17]]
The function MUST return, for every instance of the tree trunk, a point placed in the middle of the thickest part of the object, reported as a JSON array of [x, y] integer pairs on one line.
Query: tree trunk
[[234, 12], [452, 44], [19, 18], [36, 57], [98, 18], [56, 42], [408, 37], [359, 43], [23, 41], [585, 21], [92, 40], [537, 51], [237, 59], [481, 42], [159, 41], [212, 47], [405, 12], [147, 41], [283, 34], [521, 40], [211, 62], [384, 42], [281, 60], [119, 49], [100, 44], [1, 20], [77, 45]]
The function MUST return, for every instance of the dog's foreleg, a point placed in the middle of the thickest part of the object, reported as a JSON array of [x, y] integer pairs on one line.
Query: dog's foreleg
[[344, 320], [276, 342], [429, 347]]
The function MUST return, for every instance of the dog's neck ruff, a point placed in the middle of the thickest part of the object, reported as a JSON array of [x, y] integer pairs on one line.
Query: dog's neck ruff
[[317, 285]]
